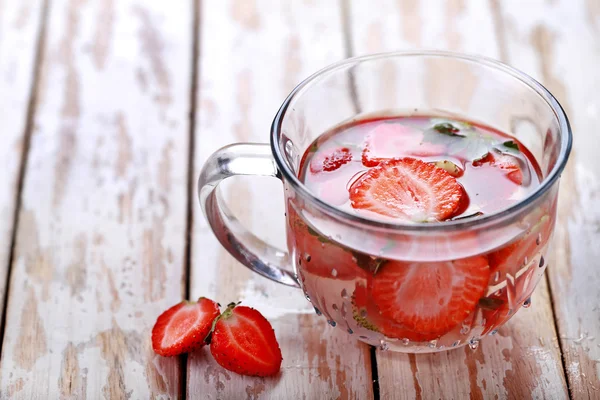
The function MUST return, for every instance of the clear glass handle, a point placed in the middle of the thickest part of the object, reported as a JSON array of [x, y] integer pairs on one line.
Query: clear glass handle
[[254, 253]]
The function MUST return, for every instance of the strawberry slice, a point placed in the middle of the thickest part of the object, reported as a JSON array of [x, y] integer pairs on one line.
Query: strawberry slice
[[367, 315], [320, 256], [389, 140], [409, 189], [430, 298], [244, 342], [507, 163], [330, 161], [183, 327]]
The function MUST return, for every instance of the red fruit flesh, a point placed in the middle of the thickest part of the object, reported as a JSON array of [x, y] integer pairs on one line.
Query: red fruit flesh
[[506, 163], [383, 142], [183, 327], [319, 255], [244, 342], [430, 299], [408, 189], [332, 161]]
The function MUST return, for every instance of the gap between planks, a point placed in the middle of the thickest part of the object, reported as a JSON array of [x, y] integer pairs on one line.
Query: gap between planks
[[31, 109], [196, 7], [349, 52]]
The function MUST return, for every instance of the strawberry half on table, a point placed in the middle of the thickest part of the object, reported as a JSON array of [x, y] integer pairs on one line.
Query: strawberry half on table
[[184, 327], [244, 342]]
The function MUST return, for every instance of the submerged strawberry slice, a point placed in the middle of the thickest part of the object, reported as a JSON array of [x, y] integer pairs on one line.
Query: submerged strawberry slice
[[429, 299], [507, 163], [183, 327], [389, 140], [330, 161], [409, 189]]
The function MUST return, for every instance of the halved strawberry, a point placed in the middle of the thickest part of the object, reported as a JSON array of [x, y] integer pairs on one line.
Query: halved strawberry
[[330, 161], [430, 298], [183, 327], [507, 163], [390, 140], [409, 189], [243, 341]]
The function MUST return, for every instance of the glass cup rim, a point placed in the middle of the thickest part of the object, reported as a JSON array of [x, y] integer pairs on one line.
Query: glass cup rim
[[546, 184]]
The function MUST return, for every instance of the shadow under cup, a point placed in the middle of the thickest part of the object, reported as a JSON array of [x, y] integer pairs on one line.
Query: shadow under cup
[[340, 259]]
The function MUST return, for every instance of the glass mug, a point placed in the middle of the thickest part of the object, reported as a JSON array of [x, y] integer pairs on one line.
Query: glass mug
[[338, 257]]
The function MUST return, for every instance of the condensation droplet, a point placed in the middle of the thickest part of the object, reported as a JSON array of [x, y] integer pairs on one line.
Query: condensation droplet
[[307, 257], [322, 244], [345, 294], [350, 331], [318, 312], [494, 332], [354, 259], [542, 261], [334, 272], [307, 297], [525, 261], [405, 341], [335, 307], [527, 303], [363, 337], [331, 322], [456, 343], [432, 344], [496, 276], [383, 346], [465, 329], [473, 343], [363, 313], [538, 240], [344, 310]]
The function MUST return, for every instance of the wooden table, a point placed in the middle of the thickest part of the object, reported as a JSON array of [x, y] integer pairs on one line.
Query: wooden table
[[108, 109]]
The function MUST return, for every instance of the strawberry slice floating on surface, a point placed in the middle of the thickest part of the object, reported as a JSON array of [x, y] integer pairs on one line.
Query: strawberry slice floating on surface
[[507, 163], [184, 327], [330, 161], [430, 298], [387, 140], [408, 189], [244, 342]]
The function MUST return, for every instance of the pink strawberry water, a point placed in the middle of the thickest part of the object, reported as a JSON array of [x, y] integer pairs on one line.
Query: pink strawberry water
[[427, 170]]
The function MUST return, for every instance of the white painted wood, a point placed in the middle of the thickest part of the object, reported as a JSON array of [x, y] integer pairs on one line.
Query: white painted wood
[[558, 43], [252, 55], [523, 360], [101, 236], [20, 24]]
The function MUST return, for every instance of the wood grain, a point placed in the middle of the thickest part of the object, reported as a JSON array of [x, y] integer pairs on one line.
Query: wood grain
[[557, 42], [263, 49], [523, 359], [20, 28], [101, 236]]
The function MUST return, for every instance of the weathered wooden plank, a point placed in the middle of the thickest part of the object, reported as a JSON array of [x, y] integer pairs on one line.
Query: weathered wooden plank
[[101, 236], [263, 49], [523, 359], [20, 28], [558, 43]]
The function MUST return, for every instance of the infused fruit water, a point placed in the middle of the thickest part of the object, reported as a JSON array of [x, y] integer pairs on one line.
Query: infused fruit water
[[418, 170]]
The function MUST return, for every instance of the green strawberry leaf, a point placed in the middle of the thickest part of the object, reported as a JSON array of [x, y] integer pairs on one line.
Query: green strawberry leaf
[[467, 142]]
